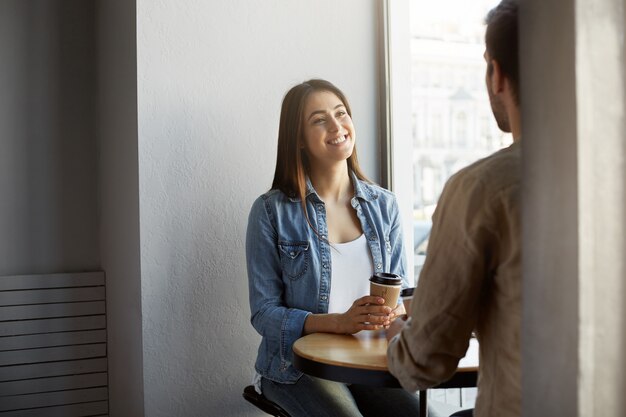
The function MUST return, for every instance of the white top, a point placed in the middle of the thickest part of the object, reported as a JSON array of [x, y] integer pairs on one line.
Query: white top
[[352, 267]]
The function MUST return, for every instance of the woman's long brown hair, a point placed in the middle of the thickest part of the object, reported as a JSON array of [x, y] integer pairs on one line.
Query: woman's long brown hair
[[292, 165]]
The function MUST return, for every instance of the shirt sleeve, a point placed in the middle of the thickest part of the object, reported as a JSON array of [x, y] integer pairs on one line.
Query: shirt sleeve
[[443, 312], [272, 319]]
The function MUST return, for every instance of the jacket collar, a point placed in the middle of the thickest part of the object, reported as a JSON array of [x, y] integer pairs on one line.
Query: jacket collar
[[362, 190]]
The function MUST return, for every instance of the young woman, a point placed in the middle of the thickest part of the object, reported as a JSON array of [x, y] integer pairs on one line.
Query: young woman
[[313, 241]]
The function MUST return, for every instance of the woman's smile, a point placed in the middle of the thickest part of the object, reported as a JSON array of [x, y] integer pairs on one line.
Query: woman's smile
[[339, 140]]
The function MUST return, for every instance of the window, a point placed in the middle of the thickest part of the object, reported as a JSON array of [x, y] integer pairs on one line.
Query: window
[[461, 130], [450, 124], [436, 133]]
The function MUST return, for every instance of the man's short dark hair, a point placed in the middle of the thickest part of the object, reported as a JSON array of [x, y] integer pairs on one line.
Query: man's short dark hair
[[501, 39]]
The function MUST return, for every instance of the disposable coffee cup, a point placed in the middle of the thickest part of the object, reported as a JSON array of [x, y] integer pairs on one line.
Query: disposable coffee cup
[[387, 286], [407, 297]]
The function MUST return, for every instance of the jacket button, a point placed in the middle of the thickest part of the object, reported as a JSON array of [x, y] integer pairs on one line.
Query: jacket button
[[378, 266], [324, 297]]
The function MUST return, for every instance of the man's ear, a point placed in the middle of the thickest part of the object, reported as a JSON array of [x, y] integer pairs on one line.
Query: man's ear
[[497, 80]]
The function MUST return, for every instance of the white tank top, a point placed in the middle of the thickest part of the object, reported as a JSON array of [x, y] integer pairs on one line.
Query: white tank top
[[352, 267]]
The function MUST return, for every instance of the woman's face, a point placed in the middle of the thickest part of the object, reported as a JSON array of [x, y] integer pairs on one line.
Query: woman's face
[[328, 130]]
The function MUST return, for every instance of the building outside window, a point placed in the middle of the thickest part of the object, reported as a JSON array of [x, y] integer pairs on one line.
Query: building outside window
[[452, 121]]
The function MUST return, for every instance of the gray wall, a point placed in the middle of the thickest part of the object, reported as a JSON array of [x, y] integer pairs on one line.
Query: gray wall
[[48, 208], [69, 157], [211, 76], [573, 100], [550, 216], [119, 201]]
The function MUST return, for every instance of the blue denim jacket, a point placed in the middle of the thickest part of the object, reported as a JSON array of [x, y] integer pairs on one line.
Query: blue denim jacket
[[289, 266]]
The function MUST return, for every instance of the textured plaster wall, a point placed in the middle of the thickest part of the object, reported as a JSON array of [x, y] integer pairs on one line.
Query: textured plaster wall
[[211, 76]]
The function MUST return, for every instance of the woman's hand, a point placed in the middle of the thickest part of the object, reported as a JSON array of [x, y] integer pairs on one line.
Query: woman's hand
[[366, 313], [396, 327]]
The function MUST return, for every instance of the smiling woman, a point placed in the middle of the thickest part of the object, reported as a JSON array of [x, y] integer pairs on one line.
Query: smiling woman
[[313, 241]]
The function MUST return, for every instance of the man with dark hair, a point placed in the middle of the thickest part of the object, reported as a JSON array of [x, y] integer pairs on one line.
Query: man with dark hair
[[471, 280]]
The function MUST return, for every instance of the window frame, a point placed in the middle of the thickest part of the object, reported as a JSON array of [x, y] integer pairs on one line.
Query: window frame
[[396, 141]]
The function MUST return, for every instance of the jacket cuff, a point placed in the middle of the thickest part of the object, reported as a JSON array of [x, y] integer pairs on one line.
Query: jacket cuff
[[291, 330]]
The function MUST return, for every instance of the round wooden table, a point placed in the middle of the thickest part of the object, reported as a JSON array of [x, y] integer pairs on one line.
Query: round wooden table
[[362, 359]]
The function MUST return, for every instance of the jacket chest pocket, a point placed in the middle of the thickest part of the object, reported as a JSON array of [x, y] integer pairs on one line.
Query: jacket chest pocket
[[294, 258]]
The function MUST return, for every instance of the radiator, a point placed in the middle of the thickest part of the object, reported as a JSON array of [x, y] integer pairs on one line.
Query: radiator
[[53, 351]]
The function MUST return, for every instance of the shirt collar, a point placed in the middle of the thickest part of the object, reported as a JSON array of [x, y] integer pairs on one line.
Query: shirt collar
[[362, 190]]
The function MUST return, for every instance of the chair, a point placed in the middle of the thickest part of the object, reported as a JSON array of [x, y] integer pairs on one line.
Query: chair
[[259, 400]]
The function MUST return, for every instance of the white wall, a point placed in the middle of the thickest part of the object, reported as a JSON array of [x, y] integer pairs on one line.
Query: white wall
[[211, 76], [119, 202], [601, 124], [48, 193]]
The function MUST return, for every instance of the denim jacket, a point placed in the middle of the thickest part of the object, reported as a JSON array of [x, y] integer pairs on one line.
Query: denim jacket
[[289, 266]]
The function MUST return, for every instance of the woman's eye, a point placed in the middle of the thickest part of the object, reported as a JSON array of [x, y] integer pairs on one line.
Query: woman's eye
[[341, 113], [318, 121]]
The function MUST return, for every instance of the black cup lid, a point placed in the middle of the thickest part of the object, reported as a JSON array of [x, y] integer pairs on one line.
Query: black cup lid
[[407, 292], [386, 278]]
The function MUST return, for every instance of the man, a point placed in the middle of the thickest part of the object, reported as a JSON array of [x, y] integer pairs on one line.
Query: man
[[471, 280]]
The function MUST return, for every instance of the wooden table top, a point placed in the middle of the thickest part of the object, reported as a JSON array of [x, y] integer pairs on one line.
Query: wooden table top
[[364, 350]]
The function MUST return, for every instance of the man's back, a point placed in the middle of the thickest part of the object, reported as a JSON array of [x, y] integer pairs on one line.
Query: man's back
[[471, 281]]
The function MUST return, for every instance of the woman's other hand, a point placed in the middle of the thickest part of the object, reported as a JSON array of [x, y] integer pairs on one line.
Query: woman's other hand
[[396, 327], [399, 311]]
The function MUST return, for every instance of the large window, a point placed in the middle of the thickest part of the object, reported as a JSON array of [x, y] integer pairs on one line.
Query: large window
[[452, 124]]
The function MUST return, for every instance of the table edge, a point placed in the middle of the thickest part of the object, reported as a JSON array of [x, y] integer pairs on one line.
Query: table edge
[[345, 374]]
